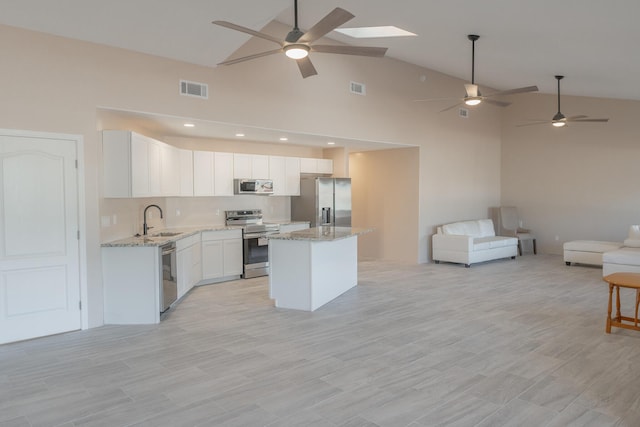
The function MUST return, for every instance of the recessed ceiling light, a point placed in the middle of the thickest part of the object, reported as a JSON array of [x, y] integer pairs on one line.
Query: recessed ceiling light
[[374, 32], [239, 134], [189, 125], [284, 138], [331, 143]]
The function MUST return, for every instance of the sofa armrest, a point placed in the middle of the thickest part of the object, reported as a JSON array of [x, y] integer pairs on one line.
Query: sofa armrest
[[452, 242]]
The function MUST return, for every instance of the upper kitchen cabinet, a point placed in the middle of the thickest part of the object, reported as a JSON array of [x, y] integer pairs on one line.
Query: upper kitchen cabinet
[[254, 166], [285, 173], [186, 172], [316, 166], [131, 164], [170, 170], [212, 173]]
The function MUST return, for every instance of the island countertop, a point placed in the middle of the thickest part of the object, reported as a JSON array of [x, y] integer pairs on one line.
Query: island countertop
[[321, 234]]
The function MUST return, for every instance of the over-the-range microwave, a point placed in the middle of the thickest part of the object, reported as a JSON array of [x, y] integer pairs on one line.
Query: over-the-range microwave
[[253, 186]]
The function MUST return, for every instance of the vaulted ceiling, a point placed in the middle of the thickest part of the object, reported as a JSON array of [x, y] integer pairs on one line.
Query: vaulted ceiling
[[523, 42], [592, 42]]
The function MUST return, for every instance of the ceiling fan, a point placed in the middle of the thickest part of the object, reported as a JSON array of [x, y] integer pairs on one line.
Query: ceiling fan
[[298, 44], [473, 95], [559, 119]]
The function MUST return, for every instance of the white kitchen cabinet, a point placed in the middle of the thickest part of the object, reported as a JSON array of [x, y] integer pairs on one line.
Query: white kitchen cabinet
[[189, 263], [325, 166], [203, 173], [241, 166], [131, 164], [212, 173], [221, 254], [292, 176], [259, 166], [278, 175], [317, 166], [223, 174], [170, 170], [186, 172], [131, 291], [285, 173], [255, 166], [232, 249]]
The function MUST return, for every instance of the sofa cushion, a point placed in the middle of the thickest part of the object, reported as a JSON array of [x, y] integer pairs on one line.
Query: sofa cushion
[[632, 243], [477, 228], [490, 242], [627, 256], [590, 246]]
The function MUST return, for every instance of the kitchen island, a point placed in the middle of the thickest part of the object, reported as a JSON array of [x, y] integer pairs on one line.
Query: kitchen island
[[311, 267]]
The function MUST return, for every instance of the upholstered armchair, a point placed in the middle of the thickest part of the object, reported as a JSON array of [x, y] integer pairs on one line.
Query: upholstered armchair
[[508, 224]]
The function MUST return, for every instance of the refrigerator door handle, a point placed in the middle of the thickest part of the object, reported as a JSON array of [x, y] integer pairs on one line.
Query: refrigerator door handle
[[326, 216]]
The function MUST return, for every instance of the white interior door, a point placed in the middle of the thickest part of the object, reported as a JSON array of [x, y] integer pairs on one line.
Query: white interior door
[[39, 251]]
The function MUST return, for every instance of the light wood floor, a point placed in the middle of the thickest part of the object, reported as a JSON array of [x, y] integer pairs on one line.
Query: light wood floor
[[506, 343]]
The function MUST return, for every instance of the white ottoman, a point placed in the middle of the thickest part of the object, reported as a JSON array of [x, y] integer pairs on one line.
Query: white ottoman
[[587, 251], [623, 260]]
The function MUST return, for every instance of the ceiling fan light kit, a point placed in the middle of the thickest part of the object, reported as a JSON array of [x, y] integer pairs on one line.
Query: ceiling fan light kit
[[296, 51]]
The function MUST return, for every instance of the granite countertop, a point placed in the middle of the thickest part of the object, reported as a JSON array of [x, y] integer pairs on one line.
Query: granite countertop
[[321, 234], [157, 239]]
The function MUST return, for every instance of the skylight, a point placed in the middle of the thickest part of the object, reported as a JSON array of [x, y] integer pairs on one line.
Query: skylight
[[374, 32]]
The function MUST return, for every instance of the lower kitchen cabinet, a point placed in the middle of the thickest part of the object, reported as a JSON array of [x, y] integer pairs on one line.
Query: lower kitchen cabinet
[[221, 254], [131, 291], [189, 260]]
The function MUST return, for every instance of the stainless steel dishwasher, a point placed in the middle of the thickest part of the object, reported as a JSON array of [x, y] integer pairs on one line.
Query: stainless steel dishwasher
[[169, 281]]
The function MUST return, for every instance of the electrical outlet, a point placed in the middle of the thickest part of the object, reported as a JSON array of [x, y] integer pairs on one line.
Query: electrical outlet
[[177, 212], [217, 212], [114, 219], [557, 238]]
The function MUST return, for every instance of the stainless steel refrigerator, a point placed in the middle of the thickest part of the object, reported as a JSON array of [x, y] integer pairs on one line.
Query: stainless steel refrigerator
[[323, 201]]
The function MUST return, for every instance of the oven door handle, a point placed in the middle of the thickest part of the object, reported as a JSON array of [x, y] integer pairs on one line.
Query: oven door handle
[[248, 236]]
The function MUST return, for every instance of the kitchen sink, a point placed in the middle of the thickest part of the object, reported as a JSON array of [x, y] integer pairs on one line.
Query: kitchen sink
[[166, 234]]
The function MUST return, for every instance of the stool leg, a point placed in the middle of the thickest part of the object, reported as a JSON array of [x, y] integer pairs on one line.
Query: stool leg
[[637, 303], [618, 315], [534, 247], [608, 327], [519, 248]]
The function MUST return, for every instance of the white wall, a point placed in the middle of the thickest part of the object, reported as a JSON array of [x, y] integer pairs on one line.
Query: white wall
[[576, 182]]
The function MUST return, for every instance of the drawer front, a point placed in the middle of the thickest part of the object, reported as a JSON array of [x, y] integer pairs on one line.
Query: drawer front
[[188, 241], [221, 235]]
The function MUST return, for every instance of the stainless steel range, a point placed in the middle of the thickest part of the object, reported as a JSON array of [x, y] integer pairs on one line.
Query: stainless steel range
[[255, 250]]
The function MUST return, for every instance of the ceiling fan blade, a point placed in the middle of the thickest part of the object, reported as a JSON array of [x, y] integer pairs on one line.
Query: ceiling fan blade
[[541, 122], [333, 20], [435, 99], [350, 50], [247, 31], [498, 103], [450, 108], [588, 120], [306, 67], [471, 89], [249, 57], [576, 117], [514, 91]]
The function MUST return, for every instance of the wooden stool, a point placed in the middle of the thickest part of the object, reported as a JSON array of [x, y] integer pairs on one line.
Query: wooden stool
[[624, 280]]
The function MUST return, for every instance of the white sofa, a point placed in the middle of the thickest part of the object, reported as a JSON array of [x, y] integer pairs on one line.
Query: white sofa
[[470, 242], [625, 259]]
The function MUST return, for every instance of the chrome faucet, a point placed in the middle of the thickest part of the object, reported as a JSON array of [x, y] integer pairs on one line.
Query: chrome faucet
[[145, 227]]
